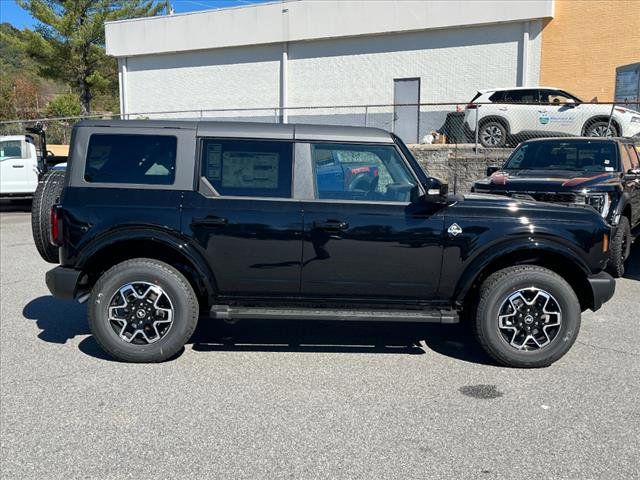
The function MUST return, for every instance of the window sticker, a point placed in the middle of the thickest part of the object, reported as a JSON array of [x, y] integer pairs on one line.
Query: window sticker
[[608, 169], [250, 170], [214, 160]]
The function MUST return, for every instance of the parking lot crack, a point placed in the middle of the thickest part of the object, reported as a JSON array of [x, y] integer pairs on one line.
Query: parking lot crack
[[633, 354]]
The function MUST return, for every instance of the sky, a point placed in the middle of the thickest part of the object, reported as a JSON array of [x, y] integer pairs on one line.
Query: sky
[[19, 18]]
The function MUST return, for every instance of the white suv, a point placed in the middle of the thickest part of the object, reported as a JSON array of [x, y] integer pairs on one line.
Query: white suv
[[510, 115]]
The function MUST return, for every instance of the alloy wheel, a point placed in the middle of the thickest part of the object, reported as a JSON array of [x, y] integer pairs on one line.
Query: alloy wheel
[[529, 319], [491, 135], [141, 313], [602, 131]]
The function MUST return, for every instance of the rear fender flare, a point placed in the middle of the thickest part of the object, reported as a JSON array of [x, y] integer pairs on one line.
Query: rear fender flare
[[171, 239]]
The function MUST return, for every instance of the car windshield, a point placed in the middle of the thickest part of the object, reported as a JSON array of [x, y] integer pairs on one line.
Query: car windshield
[[582, 156]]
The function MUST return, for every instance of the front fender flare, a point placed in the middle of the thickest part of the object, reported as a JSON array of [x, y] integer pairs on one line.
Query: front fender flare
[[494, 252]]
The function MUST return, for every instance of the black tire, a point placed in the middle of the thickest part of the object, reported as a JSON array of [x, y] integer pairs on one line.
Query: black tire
[[620, 248], [497, 289], [600, 128], [178, 290], [46, 195], [492, 134]]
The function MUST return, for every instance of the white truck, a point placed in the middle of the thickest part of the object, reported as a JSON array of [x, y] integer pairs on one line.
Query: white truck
[[21, 166], [18, 167]]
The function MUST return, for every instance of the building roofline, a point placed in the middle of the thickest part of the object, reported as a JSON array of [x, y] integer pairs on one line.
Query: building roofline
[[197, 12], [307, 20]]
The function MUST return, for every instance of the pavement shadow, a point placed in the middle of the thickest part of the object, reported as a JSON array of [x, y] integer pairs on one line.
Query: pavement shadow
[[632, 266], [15, 205], [58, 320], [62, 320], [337, 337]]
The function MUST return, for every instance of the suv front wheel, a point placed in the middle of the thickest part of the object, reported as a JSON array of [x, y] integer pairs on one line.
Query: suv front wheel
[[527, 316], [142, 310], [620, 248]]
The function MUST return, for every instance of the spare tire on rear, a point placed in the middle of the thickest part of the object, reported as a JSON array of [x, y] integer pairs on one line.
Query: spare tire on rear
[[46, 195]]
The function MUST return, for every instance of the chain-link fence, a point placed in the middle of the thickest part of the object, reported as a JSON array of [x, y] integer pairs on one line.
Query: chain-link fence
[[488, 125]]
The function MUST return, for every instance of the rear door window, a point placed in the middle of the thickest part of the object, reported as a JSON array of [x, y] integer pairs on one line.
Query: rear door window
[[248, 168], [133, 159], [10, 149], [521, 96]]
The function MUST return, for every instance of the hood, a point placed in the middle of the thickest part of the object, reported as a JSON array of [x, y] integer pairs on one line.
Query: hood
[[547, 181], [485, 205]]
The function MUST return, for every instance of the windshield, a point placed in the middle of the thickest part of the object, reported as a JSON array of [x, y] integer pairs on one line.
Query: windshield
[[10, 148], [582, 156]]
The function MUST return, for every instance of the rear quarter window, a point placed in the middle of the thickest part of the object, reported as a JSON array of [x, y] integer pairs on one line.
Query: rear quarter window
[[133, 159]]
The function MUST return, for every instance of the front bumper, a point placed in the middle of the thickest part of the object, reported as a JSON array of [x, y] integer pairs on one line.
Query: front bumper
[[63, 282], [603, 286]]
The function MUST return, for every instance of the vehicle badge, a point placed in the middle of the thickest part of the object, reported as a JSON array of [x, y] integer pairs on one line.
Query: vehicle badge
[[454, 230]]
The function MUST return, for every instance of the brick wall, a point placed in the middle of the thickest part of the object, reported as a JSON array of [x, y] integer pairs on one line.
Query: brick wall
[[585, 42], [459, 166]]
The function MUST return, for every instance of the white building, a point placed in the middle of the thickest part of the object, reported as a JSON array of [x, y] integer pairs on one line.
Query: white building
[[309, 53]]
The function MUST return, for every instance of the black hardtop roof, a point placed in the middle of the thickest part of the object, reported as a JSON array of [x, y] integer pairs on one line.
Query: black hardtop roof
[[280, 131]]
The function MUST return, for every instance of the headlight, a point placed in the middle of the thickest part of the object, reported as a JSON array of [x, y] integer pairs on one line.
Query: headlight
[[600, 201]]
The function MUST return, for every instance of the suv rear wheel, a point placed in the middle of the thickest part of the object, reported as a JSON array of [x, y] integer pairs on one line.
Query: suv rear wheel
[[527, 316], [492, 134], [142, 310]]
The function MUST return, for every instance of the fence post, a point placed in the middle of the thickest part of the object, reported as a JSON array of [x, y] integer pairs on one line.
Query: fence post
[[613, 105], [366, 115], [476, 129]]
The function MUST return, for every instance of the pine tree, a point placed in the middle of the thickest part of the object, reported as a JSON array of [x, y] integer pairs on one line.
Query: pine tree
[[68, 43]]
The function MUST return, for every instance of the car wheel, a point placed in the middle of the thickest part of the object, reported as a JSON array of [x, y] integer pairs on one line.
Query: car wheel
[[620, 248], [527, 316], [492, 135], [142, 310], [601, 129], [47, 193]]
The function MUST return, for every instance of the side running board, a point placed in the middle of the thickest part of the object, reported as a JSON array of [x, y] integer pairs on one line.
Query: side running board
[[229, 313]]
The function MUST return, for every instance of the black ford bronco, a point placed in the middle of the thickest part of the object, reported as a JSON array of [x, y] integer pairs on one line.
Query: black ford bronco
[[602, 173], [162, 222]]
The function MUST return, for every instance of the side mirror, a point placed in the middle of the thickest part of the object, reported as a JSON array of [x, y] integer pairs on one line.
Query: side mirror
[[570, 103], [491, 169], [437, 190]]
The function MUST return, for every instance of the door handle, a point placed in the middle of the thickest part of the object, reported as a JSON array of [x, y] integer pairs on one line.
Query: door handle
[[210, 221], [18, 166], [331, 225]]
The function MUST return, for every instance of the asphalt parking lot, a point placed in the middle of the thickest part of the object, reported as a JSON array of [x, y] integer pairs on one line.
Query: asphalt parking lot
[[307, 400]]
